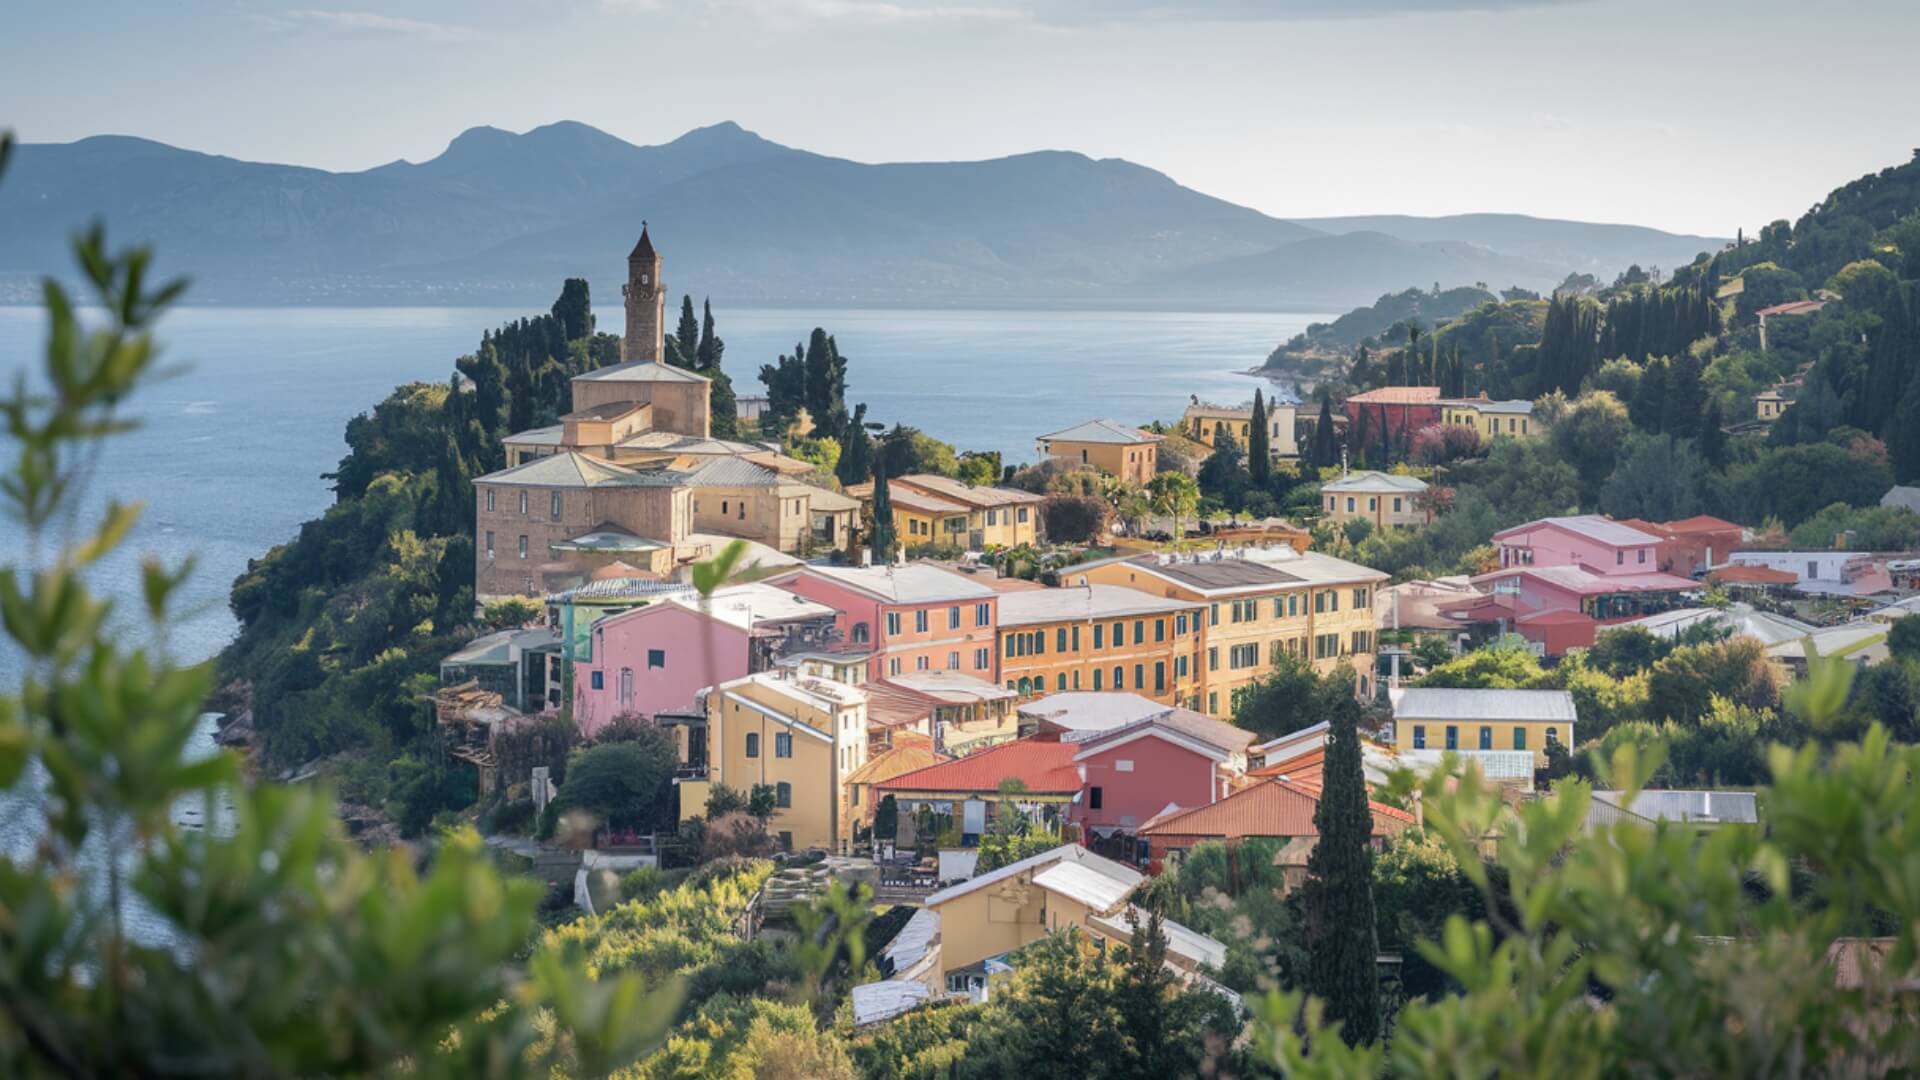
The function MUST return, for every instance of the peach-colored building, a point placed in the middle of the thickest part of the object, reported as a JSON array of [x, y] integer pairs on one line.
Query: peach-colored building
[[1100, 637], [1120, 451], [915, 618], [1387, 500]]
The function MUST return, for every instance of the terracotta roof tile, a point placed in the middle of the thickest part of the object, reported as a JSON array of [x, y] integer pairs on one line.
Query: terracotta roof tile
[[1046, 768], [1273, 808]]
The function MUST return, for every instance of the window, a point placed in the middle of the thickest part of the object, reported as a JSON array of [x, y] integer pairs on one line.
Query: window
[[893, 666], [1159, 677], [1023, 515], [489, 543], [1373, 502], [782, 744], [1123, 765], [1097, 674], [919, 663], [1325, 646], [856, 794], [1320, 602], [1119, 677], [1519, 737], [1486, 737], [1139, 676], [1419, 736], [953, 617], [1180, 624], [1349, 504], [1279, 607], [786, 838], [753, 744], [1093, 798], [953, 661], [982, 614], [599, 681], [1213, 658], [489, 500], [1039, 643], [1119, 634], [1243, 656], [741, 511], [1213, 614], [1396, 504], [783, 798], [1619, 558], [523, 546], [1213, 702], [1076, 637], [1076, 678], [1006, 645], [1061, 684], [1333, 599], [1159, 629], [1139, 631], [982, 659], [1361, 642], [1180, 666], [1453, 737], [1060, 639], [1359, 599], [1099, 635], [920, 621], [1643, 554], [656, 658], [993, 517], [860, 633], [1553, 736], [1293, 604], [554, 506], [893, 623], [523, 502]]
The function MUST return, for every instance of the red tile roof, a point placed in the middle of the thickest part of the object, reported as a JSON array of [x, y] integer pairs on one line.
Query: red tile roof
[[1045, 767], [1701, 523], [1271, 808], [1398, 395], [1793, 307], [1752, 575]]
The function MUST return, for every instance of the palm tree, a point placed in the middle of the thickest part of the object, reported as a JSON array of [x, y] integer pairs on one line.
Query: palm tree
[[1176, 495], [1133, 504]]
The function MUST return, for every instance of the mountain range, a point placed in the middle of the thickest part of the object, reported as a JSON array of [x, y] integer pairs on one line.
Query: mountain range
[[502, 218]]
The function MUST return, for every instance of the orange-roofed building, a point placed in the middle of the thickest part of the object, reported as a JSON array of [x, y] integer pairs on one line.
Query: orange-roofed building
[[1273, 808], [911, 751], [1689, 546], [1739, 574], [969, 788]]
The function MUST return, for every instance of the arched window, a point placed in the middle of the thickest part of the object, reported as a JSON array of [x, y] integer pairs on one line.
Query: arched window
[[1026, 686], [860, 633]]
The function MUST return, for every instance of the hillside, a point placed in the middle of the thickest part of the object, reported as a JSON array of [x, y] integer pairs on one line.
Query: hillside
[[497, 216]]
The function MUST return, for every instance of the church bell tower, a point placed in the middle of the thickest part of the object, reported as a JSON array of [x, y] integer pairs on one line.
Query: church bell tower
[[646, 296]]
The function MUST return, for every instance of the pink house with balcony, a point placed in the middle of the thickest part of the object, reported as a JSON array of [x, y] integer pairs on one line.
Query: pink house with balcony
[[1135, 770], [656, 658], [914, 618], [1561, 580], [1597, 544]]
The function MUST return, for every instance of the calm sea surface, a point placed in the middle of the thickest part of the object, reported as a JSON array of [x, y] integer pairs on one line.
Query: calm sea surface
[[231, 450]]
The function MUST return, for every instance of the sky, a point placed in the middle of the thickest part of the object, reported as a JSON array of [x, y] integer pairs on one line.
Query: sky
[[1698, 116]]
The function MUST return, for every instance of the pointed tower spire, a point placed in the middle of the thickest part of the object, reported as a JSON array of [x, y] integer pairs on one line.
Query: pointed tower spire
[[643, 249], [646, 296]]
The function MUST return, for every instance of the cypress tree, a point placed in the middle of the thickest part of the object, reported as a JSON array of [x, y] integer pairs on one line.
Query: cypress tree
[[1342, 944], [723, 408], [1326, 450], [856, 449], [1712, 443], [883, 541], [1259, 444], [574, 310], [685, 347]]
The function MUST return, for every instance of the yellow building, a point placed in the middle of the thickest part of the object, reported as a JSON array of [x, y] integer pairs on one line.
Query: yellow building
[[1491, 419], [1204, 423], [802, 737], [1100, 637], [1114, 448], [1068, 887], [919, 519], [1769, 404], [1262, 603], [1386, 499], [996, 516], [1473, 721]]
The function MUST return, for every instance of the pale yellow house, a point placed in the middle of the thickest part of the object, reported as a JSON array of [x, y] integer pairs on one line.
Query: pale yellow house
[[1386, 499], [1261, 604], [996, 516], [919, 520], [1491, 419], [1066, 888], [1203, 424], [802, 737], [1769, 404], [1120, 451], [1474, 721]]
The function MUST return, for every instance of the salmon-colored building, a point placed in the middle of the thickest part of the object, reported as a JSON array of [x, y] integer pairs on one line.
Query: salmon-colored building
[[1271, 808], [915, 618], [1100, 637], [1403, 409]]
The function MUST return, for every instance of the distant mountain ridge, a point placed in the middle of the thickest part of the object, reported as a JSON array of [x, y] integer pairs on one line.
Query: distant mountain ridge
[[500, 217]]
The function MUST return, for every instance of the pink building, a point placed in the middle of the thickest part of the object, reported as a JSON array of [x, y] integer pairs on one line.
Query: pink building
[[654, 659], [1133, 771], [1596, 544], [915, 618]]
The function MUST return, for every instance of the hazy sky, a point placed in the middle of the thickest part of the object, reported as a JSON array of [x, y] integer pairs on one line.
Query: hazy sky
[[1691, 115]]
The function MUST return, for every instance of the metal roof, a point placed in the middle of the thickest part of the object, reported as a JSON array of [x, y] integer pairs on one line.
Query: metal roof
[[1085, 885], [1102, 431], [1028, 606], [1373, 480], [572, 469], [914, 583], [1065, 852], [1437, 703], [877, 1001], [729, 471], [1592, 526], [1191, 945], [969, 494], [1732, 807], [499, 646], [640, 371], [540, 436]]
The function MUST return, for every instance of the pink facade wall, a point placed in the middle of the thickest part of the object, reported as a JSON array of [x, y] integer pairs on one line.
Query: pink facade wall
[[1554, 546], [936, 646], [1163, 772], [694, 652]]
